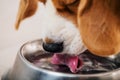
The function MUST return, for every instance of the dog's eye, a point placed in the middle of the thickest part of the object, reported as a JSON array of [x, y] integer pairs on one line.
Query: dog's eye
[[72, 5], [68, 6], [70, 2]]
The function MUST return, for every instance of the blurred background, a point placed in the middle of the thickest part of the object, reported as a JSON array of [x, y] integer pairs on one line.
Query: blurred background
[[10, 39]]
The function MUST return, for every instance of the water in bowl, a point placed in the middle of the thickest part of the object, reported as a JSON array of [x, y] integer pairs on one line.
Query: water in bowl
[[91, 64]]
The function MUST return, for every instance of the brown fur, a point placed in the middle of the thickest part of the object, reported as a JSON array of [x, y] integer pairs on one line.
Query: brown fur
[[67, 9], [26, 9], [44, 1], [97, 20], [99, 25]]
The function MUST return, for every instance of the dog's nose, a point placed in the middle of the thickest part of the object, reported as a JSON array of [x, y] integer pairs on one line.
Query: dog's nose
[[53, 47]]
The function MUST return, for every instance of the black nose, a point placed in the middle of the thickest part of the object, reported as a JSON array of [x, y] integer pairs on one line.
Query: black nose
[[53, 47]]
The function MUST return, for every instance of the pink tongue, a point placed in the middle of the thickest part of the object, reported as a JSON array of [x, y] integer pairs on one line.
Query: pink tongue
[[73, 62]]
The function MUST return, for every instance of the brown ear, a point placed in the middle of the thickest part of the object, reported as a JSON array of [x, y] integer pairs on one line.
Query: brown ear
[[26, 9], [99, 26]]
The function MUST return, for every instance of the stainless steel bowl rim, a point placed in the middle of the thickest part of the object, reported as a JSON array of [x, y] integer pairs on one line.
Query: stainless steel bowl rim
[[60, 73]]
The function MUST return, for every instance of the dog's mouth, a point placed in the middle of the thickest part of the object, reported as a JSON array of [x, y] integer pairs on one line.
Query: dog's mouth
[[74, 63], [85, 63], [65, 62]]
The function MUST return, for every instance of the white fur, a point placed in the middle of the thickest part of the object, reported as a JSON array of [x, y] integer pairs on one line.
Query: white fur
[[59, 29]]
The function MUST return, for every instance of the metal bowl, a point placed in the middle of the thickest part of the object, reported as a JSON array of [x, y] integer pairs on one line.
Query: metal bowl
[[25, 70]]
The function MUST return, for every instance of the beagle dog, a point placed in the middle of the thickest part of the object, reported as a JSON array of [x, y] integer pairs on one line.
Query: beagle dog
[[72, 26]]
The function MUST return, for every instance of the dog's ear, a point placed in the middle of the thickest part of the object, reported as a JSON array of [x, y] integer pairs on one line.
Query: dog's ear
[[26, 9], [99, 26]]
